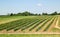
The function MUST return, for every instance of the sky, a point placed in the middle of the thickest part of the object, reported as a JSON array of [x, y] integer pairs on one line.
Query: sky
[[33, 6]]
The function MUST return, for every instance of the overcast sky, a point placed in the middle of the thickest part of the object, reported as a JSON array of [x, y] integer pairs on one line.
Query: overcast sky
[[34, 6]]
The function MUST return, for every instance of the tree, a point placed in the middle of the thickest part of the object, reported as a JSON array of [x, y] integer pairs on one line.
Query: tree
[[55, 13], [58, 13], [26, 13], [44, 14], [11, 14], [39, 14]]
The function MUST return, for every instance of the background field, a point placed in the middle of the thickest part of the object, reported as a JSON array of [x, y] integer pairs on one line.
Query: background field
[[5, 19]]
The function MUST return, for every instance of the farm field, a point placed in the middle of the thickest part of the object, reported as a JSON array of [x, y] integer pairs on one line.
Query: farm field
[[30, 24], [29, 35], [6, 19]]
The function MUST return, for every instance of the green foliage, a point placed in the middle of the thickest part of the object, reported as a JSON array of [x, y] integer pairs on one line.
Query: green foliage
[[26, 13], [11, 14], [44, 14], [54, 13]]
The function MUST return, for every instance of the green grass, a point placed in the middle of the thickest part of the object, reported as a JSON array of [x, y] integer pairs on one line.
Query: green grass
[[13, 18], [59, 22], [2, 18], [55, 30], [29, 35]]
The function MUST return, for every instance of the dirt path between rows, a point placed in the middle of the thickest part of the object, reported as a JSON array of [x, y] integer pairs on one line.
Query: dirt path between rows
[[57, 24], [32, 33], [52, 25], [44, 27]]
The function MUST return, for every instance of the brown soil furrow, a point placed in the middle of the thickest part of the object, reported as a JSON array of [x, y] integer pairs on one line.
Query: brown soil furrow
[[38, 26], [3, 31], [42, 29], [57, 25], [53, 25], [32, 33], [34, 30]]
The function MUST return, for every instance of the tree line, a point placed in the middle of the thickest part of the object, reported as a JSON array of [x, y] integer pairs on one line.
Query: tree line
[[26, 13]]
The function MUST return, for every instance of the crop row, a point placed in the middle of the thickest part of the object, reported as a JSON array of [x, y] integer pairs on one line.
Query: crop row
[[26, 23], [39, 28]]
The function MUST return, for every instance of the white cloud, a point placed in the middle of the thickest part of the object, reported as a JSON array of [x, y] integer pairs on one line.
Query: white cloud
[[39, 4]]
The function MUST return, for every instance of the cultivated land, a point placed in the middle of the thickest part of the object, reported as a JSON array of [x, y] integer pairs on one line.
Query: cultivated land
[[28, 25]]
